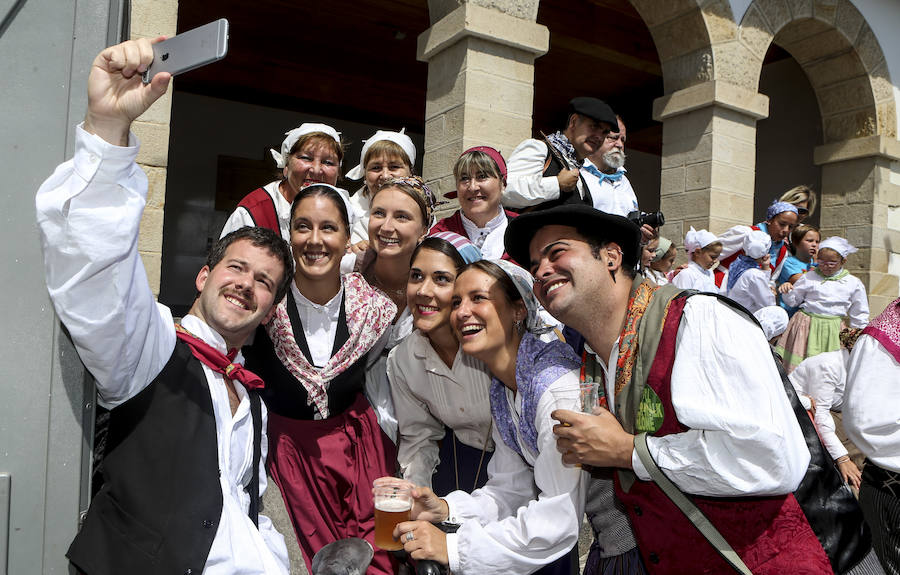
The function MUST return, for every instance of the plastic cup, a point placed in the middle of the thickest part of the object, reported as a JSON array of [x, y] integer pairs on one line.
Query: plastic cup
[[393, 503]]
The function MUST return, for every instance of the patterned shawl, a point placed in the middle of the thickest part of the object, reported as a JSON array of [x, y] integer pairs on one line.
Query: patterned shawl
[[886, 329], [369, 315], [538, 364]]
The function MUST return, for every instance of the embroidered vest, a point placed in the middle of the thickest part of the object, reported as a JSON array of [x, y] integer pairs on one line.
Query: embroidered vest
[[160, 504], [262, 209]]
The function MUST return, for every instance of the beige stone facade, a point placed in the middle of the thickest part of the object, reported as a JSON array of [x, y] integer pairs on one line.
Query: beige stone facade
[[481, 55]]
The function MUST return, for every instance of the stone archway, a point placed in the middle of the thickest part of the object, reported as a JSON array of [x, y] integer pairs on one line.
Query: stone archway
[[846, 68]]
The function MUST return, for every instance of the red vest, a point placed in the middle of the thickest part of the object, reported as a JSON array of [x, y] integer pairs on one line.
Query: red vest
[[262, 209], [719, 273], [771, 534]]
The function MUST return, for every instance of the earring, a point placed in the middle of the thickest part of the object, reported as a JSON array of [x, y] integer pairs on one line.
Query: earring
[[518, 325]]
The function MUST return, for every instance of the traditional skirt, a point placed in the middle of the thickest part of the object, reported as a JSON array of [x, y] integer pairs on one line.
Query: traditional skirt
[[808, 334], [325, 471]]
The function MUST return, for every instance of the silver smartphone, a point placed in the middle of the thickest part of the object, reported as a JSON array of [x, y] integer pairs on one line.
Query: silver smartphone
[[189, 50]]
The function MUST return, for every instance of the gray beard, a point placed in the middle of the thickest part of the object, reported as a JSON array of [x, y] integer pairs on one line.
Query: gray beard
[[614, 159]]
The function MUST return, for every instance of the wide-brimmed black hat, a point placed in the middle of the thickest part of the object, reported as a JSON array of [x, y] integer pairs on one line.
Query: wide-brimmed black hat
[[589, 221], [594, 108]]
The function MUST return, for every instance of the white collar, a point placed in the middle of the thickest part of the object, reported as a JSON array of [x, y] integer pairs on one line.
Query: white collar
[[211, 337], [332, 306], [700, 268], [492, 224]]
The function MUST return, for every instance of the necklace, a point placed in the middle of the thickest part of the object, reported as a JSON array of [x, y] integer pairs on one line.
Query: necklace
[[395, 293]]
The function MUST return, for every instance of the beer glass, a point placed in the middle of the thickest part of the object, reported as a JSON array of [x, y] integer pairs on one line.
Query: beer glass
[[393, 503]]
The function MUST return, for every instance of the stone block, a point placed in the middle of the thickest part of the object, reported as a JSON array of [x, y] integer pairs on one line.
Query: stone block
[[882, 88], [855, 124], [729, 206], [801, 8], [687, 151], [732, 178], [776, 13], [508, 96], [680, 36], [887, 119], [150, 237], [690, 125], [729, 150], [737, 65], [524, 10], [872, 259], [856, 214], [718, 225], [481, 123], [654, 12], [671, 182], [435, 131], [833, 69], [500, 60], [156, 180], [151, 18], [452, 128], [889, 194], [851, 94], [719, 22], [439, 162], [818, 46], [698, 176], [674, 230], [687, 70], [877, 302], [738, 125], [868, 48], [154, 140], [755, 33], [824, 10], [686, 206], [848, 20], [860, 236], [152, 264]]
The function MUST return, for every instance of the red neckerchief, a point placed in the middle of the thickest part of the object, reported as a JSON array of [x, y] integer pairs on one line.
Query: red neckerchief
[[218, 361]]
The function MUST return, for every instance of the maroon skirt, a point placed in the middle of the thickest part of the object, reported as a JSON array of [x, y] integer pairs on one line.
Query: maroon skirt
[[325, 470]]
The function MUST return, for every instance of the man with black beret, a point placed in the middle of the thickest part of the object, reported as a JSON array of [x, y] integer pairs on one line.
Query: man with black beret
[[688, 374], [542, 173]]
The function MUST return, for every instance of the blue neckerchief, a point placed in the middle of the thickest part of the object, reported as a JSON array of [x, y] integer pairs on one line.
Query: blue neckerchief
[[615, 177], [738, 267]]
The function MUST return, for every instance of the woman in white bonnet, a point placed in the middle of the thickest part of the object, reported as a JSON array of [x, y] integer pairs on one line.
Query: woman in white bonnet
[[750, 274], [310, 154], [384, 156]]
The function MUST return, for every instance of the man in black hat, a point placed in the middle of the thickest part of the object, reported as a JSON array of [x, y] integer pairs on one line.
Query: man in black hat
[[692, 376], [543, 173]]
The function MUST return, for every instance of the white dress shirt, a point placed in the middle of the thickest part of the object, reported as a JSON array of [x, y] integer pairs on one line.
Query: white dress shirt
[[488, 239], [695, 277], [319, 323], [843, 297], [752, 290], [612, 197], [240, 217], [822, 377], [529, 512], [89, 213], [871, 400], [378, 387], [525, 181], [744, 439], [429, 395]]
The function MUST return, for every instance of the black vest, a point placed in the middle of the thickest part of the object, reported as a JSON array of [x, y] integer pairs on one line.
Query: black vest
[[554, 167], [161, 502]]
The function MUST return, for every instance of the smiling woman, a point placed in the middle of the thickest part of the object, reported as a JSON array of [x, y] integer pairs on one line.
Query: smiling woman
[[326, 447]]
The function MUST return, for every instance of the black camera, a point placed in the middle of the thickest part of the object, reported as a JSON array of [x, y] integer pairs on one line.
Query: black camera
[[652, 219]]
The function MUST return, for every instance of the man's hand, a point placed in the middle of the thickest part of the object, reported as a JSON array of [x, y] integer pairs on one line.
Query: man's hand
[[425, 542], [568, 180], [427, 506], [648, 232], [597, 440], [116, 94]]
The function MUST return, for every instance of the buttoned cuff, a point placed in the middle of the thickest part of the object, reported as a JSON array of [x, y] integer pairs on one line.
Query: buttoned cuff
[[92, 151]]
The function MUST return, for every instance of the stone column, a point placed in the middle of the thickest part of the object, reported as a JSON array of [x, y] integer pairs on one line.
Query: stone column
[[708, 156], [149, 19], [480, 85], [861, 202]]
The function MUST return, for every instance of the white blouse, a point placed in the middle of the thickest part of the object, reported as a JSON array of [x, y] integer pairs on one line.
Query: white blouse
[[871, 416], [488, 239], [843, 297], [429, 395], [695, 277], [752, 290], [319, 323], [822, 377], [529, 512]]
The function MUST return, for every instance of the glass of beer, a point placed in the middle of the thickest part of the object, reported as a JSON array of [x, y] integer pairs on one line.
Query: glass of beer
[[393, 503]]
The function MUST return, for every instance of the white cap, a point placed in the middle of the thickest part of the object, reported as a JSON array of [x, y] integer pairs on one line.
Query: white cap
[[292, 136], [695, 240], [773, 319], [838, 244], [398, 138], [757, 244]]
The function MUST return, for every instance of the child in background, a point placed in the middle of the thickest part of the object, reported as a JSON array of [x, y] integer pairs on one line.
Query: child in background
[[824, 296], [749, 275], [781, 217], [662, 261], [703, 248], [648, 252], [804, 245]]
